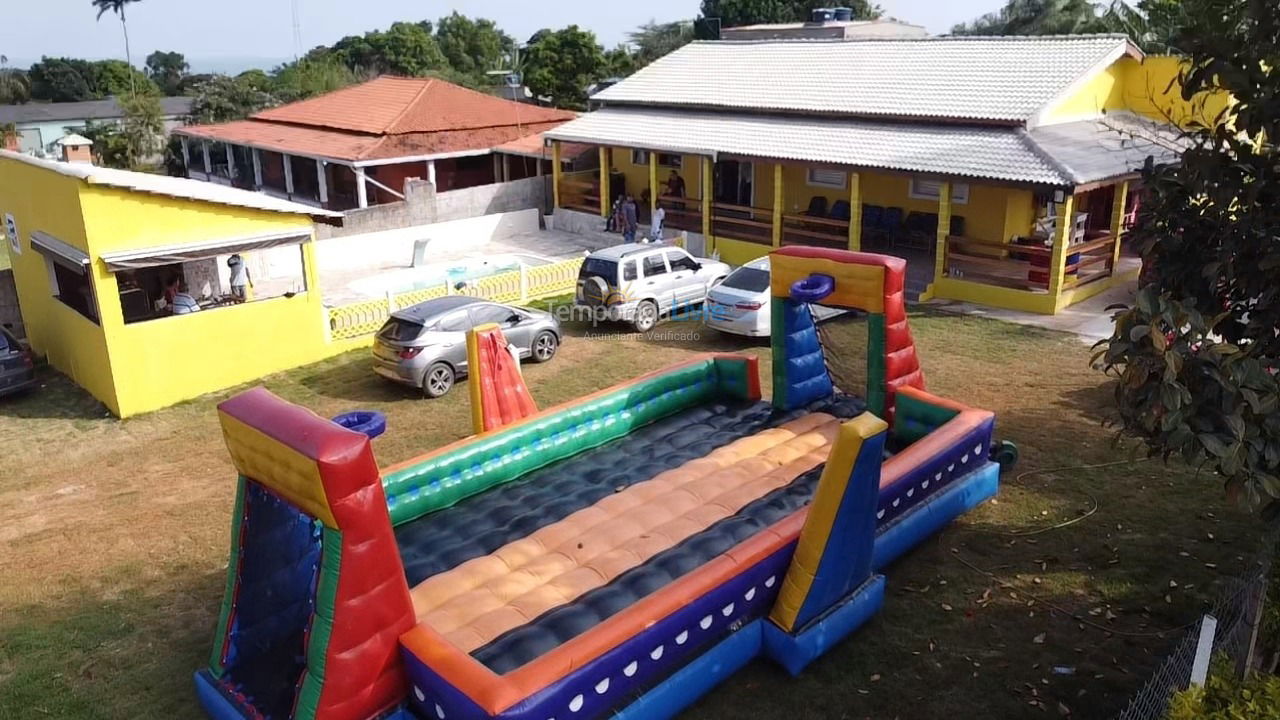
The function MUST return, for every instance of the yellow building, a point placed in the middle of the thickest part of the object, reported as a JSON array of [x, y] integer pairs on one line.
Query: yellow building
[[98, 255], [1004, 169]]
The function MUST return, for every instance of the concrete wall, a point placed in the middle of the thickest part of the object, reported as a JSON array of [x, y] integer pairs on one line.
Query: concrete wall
[[424, 206], [394, 248], [9, 312]]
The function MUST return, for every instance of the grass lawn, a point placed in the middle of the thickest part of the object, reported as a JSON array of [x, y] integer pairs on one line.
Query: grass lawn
[[113, 542]]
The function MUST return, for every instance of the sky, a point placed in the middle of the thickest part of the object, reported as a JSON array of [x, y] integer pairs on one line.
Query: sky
[[231, 35]]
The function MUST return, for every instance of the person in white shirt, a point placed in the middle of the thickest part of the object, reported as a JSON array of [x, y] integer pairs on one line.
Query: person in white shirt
[[183, 303], [655, 228], [240, 281]]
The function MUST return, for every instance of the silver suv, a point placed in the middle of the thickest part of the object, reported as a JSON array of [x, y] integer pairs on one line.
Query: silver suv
[[640, 283], [425, 346]]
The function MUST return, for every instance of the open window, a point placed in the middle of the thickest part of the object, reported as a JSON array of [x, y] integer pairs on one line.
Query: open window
[[68, 268], [181, 279]]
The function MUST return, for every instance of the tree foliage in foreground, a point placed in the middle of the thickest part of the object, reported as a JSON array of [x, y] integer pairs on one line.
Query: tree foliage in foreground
[[1197, 356]]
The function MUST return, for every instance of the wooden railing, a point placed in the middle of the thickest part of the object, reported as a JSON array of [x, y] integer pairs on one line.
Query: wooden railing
[[1026, 267], [741, 222], [682, 213], [808, 230], [581, 191]]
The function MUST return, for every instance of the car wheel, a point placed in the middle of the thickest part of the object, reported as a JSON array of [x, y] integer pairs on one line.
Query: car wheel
[[544, 346], [646, 316], [437, 380]]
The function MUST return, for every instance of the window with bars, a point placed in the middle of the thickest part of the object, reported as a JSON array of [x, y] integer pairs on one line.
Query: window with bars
[[930, 189], [827, 178]]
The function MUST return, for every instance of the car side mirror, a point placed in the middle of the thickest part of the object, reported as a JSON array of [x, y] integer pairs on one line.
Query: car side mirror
[[514, 319]]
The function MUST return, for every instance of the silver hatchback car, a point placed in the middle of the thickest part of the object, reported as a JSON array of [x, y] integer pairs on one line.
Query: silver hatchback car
[[425, 345]]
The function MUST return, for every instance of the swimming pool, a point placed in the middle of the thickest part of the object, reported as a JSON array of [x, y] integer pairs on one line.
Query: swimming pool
[[436, 274]]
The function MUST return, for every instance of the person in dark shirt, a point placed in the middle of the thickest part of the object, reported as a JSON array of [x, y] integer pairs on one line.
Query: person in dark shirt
[[675, 188], [629, 220]]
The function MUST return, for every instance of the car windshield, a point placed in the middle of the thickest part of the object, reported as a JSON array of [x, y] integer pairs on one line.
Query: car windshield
[[747, 278], [606, 270], [400, 330]]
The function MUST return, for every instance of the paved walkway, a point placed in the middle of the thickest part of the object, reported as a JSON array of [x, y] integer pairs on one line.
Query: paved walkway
[[550, 244], [1090, 319]]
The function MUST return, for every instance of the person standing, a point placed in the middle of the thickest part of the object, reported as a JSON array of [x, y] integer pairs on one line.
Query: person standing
[[675, 188], [240, 280], [629, 220], [659, 219]]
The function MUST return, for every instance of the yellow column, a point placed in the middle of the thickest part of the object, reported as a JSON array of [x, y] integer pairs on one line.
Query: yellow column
[[944, 229], [1117, 219], [555, 173], [653, 184], [707, 172], [1061, 238], [855, 212], [604, 182], [777, 204]]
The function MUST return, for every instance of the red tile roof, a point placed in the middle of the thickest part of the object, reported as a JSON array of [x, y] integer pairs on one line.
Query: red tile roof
[[387, 118], [397, 105], [535, 146]]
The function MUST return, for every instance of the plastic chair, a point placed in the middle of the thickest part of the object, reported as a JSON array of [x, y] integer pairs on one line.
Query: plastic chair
[[840, 210], [891, 222], [817, 207]]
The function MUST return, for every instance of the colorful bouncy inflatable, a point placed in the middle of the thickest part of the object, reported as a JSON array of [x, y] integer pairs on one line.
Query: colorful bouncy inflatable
[[615, 556]]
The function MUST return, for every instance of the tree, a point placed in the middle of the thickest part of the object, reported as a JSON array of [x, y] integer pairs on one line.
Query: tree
[[653, 40], [471, 47], [167, 70], [733, 13], [1197, 356], [118, 6], [1151, 23], [223, 99], [309, 77], [404, 49], [117, 77], [142, 128], [1036, 17], [562, 63], [620, 62], [15, 86], [61, 80]]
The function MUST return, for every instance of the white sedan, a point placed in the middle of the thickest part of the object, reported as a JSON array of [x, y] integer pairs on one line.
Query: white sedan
[[740, 303]]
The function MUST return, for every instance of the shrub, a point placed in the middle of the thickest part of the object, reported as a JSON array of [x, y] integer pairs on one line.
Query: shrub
[[1223, 697]]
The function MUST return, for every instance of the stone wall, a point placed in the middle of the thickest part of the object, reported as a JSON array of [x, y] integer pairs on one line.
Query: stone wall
[[424, 206], [9, 313]]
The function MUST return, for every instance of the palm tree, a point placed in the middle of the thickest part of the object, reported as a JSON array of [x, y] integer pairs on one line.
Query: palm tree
[[117, 7]]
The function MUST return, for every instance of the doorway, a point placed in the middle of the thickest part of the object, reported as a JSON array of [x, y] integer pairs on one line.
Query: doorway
[[733, 182]]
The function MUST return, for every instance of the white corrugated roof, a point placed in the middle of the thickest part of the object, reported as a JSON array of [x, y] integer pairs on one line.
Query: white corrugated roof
[[1117, 144], [171, 186], [998, 153], [967, 78]]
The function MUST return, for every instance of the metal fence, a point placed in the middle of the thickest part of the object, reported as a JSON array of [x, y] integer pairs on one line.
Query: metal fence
[[358, 319], [1234, 615]]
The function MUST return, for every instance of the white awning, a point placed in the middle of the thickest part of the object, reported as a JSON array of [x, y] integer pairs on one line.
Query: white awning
[[997, 153], [171, 254], [64, 254]]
